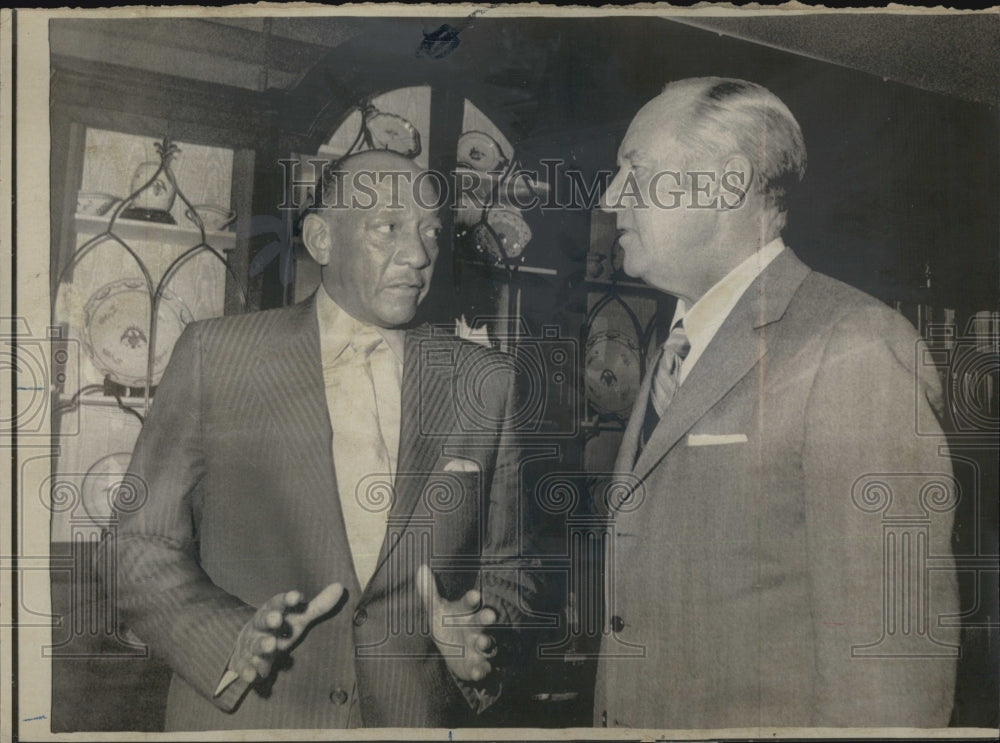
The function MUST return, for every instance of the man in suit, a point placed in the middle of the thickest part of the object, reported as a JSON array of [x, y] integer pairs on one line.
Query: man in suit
[[316, 514], [778, 558]]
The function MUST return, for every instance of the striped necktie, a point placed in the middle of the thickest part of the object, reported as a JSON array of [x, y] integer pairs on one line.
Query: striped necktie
[[666, 378]]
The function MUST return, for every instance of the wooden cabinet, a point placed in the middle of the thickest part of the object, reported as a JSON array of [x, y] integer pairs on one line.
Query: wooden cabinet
[[105, 272]]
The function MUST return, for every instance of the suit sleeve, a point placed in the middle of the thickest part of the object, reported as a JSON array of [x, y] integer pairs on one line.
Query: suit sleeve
[[508, 581], [163, 593], [872, 527]]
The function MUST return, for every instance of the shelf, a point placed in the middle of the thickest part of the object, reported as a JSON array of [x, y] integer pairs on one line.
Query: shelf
[[173, 234], [631, 285], [535, 270], [100, 401], [516, 268]]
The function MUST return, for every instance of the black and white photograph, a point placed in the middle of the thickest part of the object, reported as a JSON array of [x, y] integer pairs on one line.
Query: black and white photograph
[[472, 372]]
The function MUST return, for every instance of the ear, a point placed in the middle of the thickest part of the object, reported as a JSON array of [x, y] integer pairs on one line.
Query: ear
[[737, 180], [317, 238]]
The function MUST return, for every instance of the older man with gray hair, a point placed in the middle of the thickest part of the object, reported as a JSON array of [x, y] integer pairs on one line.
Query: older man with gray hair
[[770, 564]]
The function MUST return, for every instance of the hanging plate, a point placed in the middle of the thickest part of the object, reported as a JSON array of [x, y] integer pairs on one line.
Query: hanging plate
[[102, 483], [116, 331], [479, 151], [392, 132], [612, 372], [513, 231]]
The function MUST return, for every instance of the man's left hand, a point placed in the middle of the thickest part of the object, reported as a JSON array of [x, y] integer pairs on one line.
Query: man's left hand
[[465, 647]]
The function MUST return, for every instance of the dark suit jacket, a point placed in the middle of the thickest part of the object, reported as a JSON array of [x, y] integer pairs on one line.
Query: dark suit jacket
[[749, 571], [243, 504]]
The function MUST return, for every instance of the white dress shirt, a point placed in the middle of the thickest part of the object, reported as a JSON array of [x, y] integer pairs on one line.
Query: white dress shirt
[[363, 453], [703, 320], [347, 387]]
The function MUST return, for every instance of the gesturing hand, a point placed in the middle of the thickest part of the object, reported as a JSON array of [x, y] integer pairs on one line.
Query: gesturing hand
[[465, 647], [276, 627]]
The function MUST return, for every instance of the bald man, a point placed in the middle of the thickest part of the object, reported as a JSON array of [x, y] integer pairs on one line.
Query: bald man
[[307, 555]]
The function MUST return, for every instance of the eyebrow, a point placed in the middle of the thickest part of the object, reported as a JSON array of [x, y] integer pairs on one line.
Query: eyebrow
[[631, 156]]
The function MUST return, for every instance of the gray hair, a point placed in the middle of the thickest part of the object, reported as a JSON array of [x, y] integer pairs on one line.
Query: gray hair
[[736, 114]]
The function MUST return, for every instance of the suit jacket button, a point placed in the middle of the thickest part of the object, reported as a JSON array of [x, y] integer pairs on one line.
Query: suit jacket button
[[339, 696], [617, 623], [360, 617]]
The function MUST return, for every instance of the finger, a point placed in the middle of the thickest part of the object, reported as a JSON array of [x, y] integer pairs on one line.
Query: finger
[[261, 666], [278, 601], [292, 599], [485, 617], [268, 616], [248, 674], [479, 671], [485, 645], [472, 599], [265, 645], [323, 602], [267, 620], [427, 590]]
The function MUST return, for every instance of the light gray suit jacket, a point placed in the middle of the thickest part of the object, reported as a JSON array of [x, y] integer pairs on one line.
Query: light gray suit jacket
[[243, 504], [759, 573]]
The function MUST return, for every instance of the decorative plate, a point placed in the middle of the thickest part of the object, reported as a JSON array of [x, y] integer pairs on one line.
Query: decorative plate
[[514, 232], [116, 331], [479, 151], [213, 218], [94, 203], [612, 372], [391, 132], [100, 485]]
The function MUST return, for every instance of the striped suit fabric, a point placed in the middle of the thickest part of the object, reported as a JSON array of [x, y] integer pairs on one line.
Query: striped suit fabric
[[242, 504]]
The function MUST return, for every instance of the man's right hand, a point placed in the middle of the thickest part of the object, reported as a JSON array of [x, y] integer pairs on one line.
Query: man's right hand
[[276, 627]]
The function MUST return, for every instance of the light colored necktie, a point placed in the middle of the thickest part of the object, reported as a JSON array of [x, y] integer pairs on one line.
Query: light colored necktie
[[668, 370], [361, 458], [666, 378]]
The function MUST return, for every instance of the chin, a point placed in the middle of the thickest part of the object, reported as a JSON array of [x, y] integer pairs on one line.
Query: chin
[[629, 267], [392, 317]]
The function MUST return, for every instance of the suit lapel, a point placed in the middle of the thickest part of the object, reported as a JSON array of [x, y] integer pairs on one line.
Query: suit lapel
[[428, 406], [732, 353], [736, 348], [427, 412], [290, 376]]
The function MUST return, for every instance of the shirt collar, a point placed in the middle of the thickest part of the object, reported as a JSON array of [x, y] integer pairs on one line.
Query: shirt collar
[[705, 317], [337, 328]]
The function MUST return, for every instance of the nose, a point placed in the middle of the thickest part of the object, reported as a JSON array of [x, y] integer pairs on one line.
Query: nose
[[414, 251], [611, 199]]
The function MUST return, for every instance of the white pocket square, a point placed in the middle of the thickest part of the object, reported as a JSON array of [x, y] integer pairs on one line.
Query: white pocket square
[[716, 439], [461, 465]]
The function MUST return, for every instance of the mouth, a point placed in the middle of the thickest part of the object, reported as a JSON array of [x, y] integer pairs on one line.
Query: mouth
[[405, 286]]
